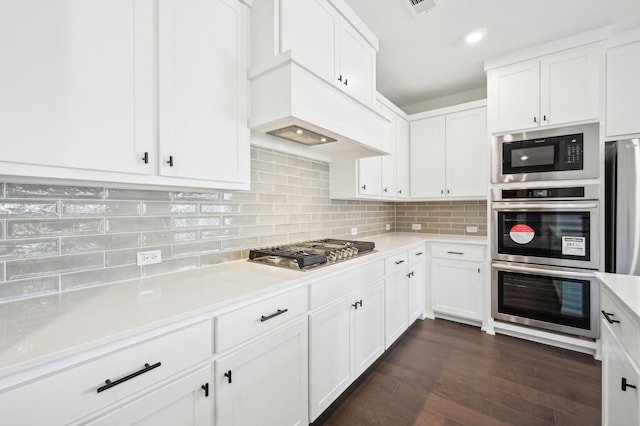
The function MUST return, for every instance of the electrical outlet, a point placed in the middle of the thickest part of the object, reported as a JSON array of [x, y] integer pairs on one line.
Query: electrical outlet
[[149, 257], [416, 226], [387, 227], [472, 229], [354, 231]]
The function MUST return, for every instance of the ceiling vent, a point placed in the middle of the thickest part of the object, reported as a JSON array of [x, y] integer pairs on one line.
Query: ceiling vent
[[419, 6]]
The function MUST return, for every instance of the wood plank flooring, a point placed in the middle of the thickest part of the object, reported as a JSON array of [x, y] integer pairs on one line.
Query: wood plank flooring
[[445, 373]]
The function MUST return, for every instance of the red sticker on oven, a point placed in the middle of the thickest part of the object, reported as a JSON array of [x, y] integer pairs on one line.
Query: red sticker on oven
[[521, 233]]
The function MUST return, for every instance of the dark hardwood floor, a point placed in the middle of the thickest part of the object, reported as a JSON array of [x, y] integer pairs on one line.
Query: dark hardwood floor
[[445, 373]]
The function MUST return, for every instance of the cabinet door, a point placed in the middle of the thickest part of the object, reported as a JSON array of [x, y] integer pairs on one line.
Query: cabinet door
[[514, 100], [467, 172], [428, 157], [623, 90], [187, 401], [619, 407], [570, 86], [308, 28], [330, 371], [202, 89], [402, 158], [76, 84], [369, 180], [396, 306], [416, 290], [388, 166], [368, 327], [456, 288], [357, 64], [265, 383]]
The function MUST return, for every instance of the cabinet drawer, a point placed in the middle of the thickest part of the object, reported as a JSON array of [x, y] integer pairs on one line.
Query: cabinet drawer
[[627, 330], [331, 288], [417, 254], [254, 320], [73, 393], [459, 252], [395, 263]]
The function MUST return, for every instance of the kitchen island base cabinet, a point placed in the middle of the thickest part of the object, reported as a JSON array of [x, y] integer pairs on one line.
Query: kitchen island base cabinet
[[456, 281], [184, 402], [266, 382], [345, 338]]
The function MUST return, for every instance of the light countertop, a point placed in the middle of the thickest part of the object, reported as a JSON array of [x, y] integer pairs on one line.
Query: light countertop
[[625, 287], [42, 329]]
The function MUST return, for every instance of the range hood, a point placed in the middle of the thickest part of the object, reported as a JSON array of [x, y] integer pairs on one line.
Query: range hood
[[291, 102]]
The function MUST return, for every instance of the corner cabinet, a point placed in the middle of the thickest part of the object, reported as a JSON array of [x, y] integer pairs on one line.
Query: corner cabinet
[[623, 88], [127, 105], [560, 88], [620, 334], [449, 155]]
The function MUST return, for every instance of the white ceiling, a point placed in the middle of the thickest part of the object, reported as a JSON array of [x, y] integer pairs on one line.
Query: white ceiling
[[424, 57]]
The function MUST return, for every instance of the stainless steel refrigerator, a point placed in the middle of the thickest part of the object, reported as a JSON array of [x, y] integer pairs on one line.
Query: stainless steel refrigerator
[[622, 207]]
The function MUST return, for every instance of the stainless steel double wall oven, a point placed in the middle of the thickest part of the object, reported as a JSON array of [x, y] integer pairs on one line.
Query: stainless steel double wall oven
[[545, 235]]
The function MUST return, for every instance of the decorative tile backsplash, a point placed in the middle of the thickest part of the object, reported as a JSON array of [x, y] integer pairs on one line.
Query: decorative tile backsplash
[[56, 238]]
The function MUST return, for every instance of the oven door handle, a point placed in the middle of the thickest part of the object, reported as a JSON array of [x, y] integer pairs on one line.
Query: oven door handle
[[543, 206], [542, 270]]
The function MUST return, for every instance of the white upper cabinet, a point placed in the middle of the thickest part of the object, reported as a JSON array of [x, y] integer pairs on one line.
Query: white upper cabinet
[[369, 176], [449, 155], [402, 158], [76, 84], [116, 91], [328, 45], [203, 90], [623, 89], [555, 89], [428, 157]]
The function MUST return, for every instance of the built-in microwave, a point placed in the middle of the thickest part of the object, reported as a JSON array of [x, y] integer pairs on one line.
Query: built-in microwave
[[546, 155]]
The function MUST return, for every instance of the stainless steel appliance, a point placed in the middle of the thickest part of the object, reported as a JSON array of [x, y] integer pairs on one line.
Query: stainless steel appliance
[[546, 155], [311, 254], [622, 207], [547, 226], [565, 300]]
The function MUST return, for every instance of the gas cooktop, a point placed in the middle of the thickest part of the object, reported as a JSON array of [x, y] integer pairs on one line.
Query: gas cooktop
[[310, 254]]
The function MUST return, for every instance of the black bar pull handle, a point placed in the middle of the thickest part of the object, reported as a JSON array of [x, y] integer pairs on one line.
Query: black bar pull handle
[[399, 262], [355, 305], [455, 252], [145, 158], [109, 383], [608, 316], [273, 315], [170, 162], [205, 388], [360, 302], [419, 253], [626, 385], [228, 375]]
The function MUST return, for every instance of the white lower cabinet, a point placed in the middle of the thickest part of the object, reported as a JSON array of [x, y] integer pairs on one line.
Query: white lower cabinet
[[265, 382], [417, 286], [187, 401], [345, 338], [396, 309], [457, 280]]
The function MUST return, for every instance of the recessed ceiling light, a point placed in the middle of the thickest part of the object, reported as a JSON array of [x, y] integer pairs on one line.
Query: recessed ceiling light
[[476, 35]]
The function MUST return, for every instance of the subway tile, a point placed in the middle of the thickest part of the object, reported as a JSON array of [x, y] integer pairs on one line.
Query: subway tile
[[201, 247], [261, 166], [240, 220], [316, 174], [286, 189], [272, 199], [2, 267], [299, 162], [22, 289], [220, 208], [102, 208], [272, 219], [268, 240], [163, 209], [137, 224], [194, 222], [51, 227], [28, 248], [172, 265], [257, 208], [323, 167], [19, 269], [241, 197], [263, 188], [2, 190], [249, 231], [219, 233], [136, 194], [300, 236], [78, 280], [272, 157], [215, 258], [288, 208], [263, 177], [195, 196], [100, 242], [287, 227], [286, 170], [15, 190], [130, 256], [168, 237], [22, 208], [239, 243]]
